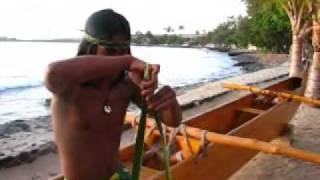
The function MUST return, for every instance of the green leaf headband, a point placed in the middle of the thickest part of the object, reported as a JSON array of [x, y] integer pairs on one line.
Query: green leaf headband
[[105, 43]]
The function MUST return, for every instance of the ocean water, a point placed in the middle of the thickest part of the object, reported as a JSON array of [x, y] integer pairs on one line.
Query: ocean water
[[23, 64]]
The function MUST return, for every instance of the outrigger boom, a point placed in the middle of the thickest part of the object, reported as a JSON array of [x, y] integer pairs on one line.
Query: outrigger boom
[[247, 143], [284, 95]]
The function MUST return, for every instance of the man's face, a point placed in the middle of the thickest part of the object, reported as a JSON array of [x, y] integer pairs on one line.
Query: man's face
[[114, 50]]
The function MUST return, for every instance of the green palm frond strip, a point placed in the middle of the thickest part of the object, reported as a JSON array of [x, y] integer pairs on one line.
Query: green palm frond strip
[[106, 43], [140, 139]]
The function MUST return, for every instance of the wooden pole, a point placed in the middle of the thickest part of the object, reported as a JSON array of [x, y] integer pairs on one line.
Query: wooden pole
[[257, 145], [294, 97], [252, 144]]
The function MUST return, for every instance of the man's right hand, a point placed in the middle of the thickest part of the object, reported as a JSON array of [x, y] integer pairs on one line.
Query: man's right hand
[[138, 66], [136, 73]]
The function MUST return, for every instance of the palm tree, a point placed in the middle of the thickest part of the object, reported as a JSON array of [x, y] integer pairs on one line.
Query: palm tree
[[313, 84], [168, 29], [297, 11], [181, 27]]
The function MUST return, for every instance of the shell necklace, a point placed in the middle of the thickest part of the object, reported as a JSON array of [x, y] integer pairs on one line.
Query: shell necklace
[[107, 109]]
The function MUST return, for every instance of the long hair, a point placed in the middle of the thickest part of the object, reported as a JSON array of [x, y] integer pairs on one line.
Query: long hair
[[103, 24], [86, 48]]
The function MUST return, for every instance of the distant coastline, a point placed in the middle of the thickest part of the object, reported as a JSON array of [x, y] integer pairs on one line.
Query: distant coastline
[[230, 51], [75, 40], [66, 40]]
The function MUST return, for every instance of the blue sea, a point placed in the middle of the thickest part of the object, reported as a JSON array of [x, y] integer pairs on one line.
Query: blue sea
[[22, 67]]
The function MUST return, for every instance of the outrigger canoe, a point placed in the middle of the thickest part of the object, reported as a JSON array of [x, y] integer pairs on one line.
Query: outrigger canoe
[[252, 116]]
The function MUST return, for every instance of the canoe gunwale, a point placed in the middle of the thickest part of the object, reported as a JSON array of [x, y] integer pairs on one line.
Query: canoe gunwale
[[217, 149], [222, 161], [187, 168]]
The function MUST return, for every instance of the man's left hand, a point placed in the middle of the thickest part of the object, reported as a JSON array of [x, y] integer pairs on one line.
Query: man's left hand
[[164, 98]]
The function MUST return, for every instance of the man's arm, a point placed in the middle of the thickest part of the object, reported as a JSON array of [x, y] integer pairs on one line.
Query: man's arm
[[63, 75]]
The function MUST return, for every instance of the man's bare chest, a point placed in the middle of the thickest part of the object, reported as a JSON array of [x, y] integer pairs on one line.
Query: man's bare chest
[[105, 98]]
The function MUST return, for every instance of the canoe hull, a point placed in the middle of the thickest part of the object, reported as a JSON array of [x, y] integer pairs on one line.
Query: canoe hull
[[223, 161], [263, 123]]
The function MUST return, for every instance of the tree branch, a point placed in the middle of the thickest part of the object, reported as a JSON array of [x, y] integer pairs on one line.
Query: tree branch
[[301, 13], [307, 27], [286, 8], [294, 7]]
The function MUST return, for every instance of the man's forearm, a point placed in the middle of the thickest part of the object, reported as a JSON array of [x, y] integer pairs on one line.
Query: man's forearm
[[84, 68]]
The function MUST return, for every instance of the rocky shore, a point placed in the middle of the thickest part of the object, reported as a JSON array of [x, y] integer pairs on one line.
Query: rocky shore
[[22, 141], [251, 62]]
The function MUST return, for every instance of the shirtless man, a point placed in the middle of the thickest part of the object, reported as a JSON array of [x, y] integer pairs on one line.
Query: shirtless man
[[91, 93]]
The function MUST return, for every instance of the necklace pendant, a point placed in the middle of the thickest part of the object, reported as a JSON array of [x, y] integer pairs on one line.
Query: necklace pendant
[[107, 109]]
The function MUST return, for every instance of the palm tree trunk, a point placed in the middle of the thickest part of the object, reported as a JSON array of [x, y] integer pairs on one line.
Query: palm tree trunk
[[296, 67], [313, 84]]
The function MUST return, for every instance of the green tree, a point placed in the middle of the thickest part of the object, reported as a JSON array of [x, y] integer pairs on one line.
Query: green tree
[[169, 29], [298, 13], [242, 33], [138, 37], [269, 25], [181, 27], [223, 35]]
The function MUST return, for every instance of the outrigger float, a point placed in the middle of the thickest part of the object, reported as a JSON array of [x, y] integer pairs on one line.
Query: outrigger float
[[215, 144]]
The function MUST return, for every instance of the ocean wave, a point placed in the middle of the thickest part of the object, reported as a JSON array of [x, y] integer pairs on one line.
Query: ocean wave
[[18, 83]]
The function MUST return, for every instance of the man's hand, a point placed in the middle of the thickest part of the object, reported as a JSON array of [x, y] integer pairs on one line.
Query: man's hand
[[162, 99], [136, 73], [165, 102]]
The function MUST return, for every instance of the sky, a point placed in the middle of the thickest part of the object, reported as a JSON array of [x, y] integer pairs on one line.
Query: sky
[[45, 19]]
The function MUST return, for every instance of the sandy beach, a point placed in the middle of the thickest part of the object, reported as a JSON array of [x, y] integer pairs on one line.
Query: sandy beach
[[28, 153]]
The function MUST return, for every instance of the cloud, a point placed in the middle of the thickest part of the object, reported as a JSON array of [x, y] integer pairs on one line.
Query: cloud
[[61, 18]]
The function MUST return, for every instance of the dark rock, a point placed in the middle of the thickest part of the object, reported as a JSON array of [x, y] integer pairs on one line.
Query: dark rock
[[243, 63], [249, 62], [27, 156], [220, 49], [47, 102], [53, 174], [14, 127], [238, 52]]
